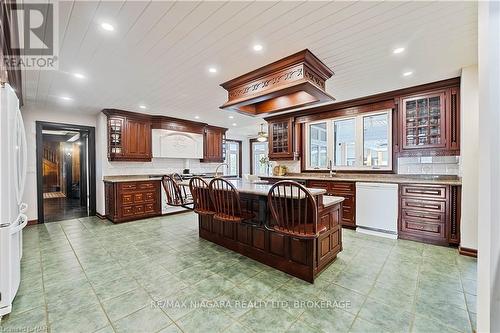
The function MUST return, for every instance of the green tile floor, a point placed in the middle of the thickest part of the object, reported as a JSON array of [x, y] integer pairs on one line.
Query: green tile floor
[[156, 275]]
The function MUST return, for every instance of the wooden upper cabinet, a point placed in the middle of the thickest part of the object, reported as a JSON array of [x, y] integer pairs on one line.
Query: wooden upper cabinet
[[281, 144], [213, 144], [129, 138], [429, 123], [138, 140]]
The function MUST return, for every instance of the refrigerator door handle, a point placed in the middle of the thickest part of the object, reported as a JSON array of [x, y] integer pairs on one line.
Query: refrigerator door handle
[[23, 207], [24, 157], [21, 225]]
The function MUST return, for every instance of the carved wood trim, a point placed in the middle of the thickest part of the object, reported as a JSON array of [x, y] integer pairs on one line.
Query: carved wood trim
[[291, 82], [454, 216]]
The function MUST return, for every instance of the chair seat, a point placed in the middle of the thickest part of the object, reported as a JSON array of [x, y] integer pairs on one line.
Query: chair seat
[[233, 219], [204, 212], [302, 231]]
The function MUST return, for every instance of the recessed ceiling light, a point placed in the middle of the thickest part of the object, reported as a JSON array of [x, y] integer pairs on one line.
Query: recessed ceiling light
[[107, 26], [398, 50], [407, 73], [257, 47], [142, 107], [65, 98], [212, 70], [234, 124], [79, 75], [231, 117], [196, 117]]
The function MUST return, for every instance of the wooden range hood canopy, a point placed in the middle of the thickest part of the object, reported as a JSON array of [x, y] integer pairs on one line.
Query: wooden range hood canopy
[[292, 82]]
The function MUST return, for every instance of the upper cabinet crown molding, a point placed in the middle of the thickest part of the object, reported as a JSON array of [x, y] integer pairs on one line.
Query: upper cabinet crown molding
[[130, 135], [295, 81]]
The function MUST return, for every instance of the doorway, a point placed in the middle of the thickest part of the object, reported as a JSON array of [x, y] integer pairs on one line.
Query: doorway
[[258, 155], [233, 158], [65, 171]]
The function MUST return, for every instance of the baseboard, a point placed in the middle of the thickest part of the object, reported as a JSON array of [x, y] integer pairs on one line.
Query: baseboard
[[102, 217], [467, 252], [32, 222], [177, 212]]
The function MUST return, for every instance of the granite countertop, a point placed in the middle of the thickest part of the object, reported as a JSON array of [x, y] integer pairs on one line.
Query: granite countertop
[[121, 179], [329, 200], [259, 188], [375, 178]]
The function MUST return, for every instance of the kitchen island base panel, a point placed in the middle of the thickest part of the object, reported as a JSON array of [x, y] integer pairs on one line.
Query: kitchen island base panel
[[302, 258]]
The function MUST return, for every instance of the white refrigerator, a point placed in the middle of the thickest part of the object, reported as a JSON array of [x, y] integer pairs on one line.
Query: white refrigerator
[[12, 209]]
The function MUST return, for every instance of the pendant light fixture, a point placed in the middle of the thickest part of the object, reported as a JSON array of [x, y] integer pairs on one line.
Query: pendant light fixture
[[262, 136]]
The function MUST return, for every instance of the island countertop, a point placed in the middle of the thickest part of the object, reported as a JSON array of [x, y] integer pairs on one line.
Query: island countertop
[[259, 188]]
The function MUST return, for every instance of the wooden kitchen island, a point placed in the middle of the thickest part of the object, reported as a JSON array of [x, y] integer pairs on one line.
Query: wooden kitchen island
[[302, 258]]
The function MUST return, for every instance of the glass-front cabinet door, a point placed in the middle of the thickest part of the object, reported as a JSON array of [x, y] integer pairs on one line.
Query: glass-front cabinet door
[[424, 121]]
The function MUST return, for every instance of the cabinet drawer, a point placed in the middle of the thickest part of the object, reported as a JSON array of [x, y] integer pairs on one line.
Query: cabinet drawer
[[146, 186], [343, 187], [423, 228], [128, 186], [149, 208], [127, 199], [138, 197], [127, 211], [428, 205], [149, 196], [138, 209], [317, 184], [437, 192], [423, 216]]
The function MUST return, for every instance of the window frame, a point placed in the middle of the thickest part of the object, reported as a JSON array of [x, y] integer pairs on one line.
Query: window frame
[[359, 141]]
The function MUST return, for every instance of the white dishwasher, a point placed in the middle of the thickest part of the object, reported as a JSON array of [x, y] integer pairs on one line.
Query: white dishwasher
[[377, 209]]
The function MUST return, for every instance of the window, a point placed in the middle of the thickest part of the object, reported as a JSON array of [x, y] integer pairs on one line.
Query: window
[[376, 140], [344, 134], [232, 158], [318, 145], [259, 153], [351, 143]]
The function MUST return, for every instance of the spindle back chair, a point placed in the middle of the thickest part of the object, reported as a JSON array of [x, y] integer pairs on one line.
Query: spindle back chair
[[293, 210], [201, 196]]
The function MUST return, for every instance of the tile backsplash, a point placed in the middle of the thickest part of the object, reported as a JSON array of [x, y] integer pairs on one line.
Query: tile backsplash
[[431, 165], [158, 166]]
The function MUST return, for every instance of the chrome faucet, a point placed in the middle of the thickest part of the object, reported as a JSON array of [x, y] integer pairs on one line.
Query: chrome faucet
[[330, 166], [217, 169]]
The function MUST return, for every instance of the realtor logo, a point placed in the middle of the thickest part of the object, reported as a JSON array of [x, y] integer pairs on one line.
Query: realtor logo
[[37, 35]]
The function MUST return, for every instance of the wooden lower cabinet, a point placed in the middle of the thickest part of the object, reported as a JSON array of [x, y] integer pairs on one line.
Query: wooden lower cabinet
[[340, 189], [430, 213], [127, 201]]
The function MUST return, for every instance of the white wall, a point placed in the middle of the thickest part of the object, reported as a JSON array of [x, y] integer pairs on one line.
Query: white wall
[[31, 114], [469, 142], [488, 270]]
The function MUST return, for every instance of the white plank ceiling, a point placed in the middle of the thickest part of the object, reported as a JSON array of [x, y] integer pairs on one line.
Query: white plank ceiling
[[160, 51]]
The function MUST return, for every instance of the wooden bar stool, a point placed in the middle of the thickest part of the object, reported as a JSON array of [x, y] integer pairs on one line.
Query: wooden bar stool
[[226, 201], [178, 179], [294, 211], [201, 196], [175, 196]]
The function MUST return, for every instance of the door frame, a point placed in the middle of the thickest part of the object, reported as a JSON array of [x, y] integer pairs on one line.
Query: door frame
[[251, 142], [40, 126], [240, 159]]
